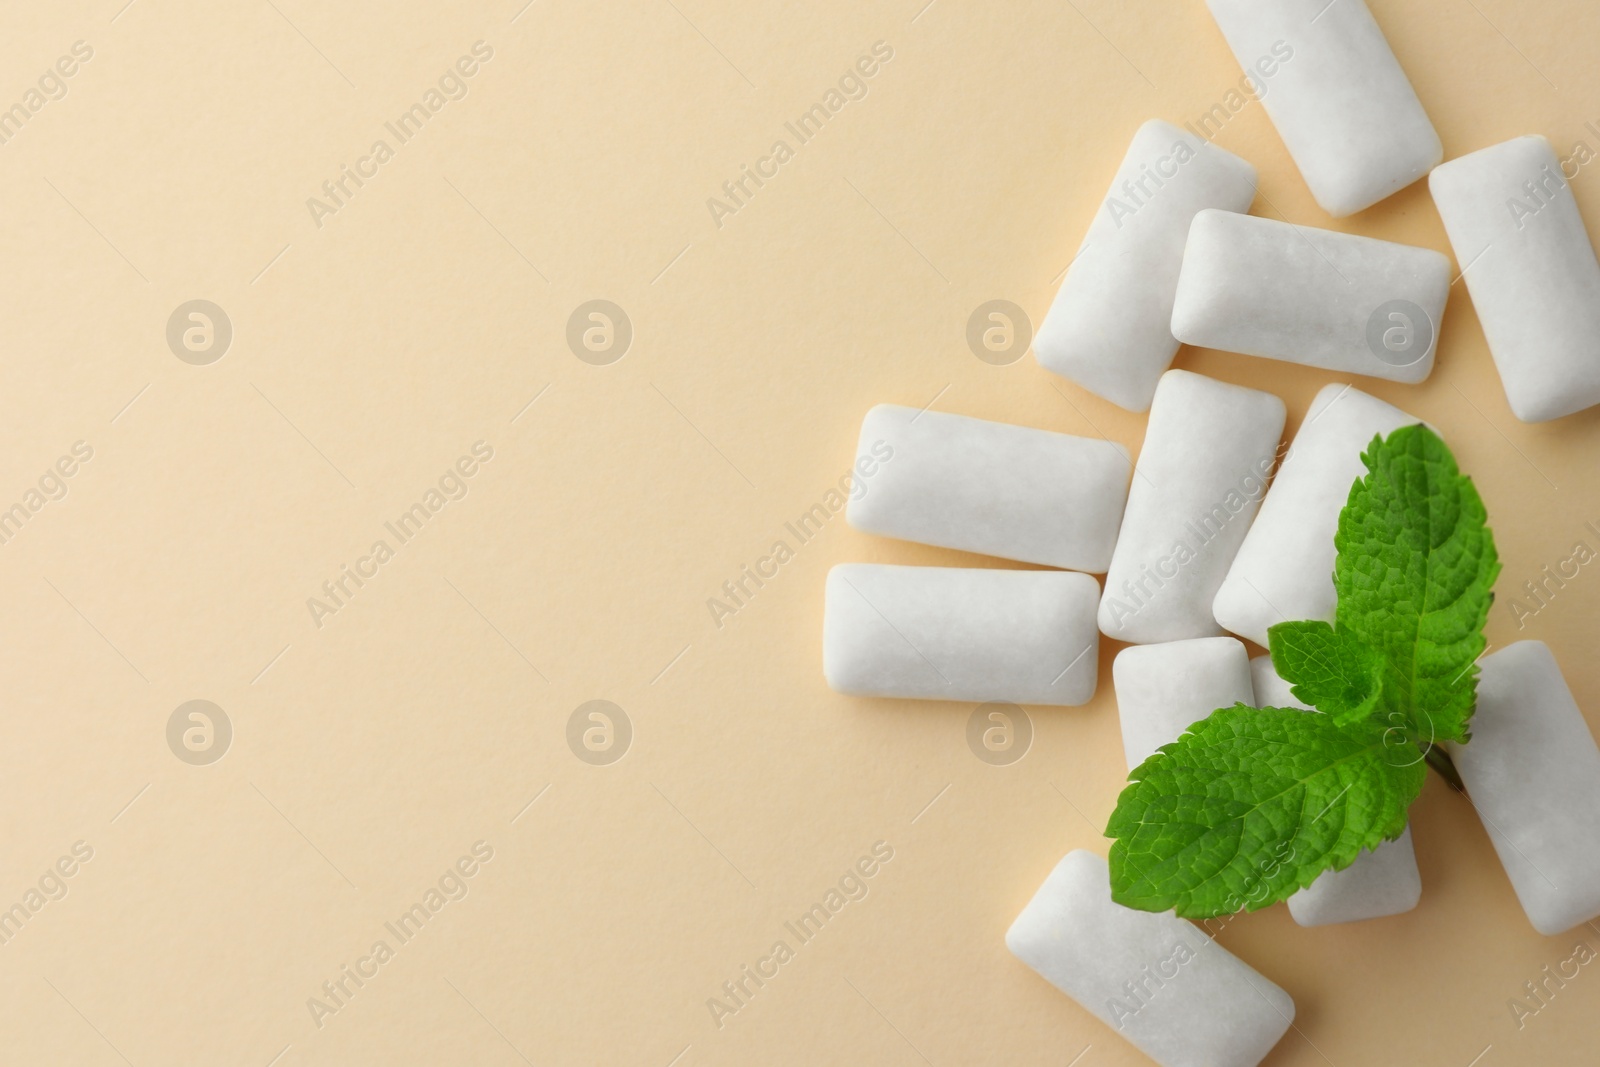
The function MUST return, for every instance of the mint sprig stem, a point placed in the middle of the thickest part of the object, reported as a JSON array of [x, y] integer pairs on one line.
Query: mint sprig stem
[[1441, 762]]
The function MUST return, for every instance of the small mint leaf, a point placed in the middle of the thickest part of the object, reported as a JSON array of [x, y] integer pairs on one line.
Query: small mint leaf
[[1331, 670], [1251, 805], [1416, 561]]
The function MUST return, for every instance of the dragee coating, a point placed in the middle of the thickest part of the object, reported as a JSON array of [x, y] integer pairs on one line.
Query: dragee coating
[[1156, 979], [1208, 451], [1284, 569], [1533, 772], [1336, 301], [1109, 328], [1344, 108], [952, 633], [989, 487], [1382, 882], [1530, 270]]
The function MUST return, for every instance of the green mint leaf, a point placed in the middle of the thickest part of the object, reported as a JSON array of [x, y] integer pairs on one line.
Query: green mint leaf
[[1252, 804], [1416, 561], [1332, 670]]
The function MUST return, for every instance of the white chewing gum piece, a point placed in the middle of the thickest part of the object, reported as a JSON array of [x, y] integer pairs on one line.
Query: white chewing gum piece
[[989, 487], [1209, 448], [1109, 328], [1323, 299], [1344, 108], [1156, 979], [951, 633], [1530, 270], [1164, 689], [1533, 772]]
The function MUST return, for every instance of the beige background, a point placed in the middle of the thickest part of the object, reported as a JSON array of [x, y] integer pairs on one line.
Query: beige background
[[369, 353]]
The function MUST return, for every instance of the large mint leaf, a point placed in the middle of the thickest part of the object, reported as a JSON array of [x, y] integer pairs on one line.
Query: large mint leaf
[[1416, 562], [1252, 804]]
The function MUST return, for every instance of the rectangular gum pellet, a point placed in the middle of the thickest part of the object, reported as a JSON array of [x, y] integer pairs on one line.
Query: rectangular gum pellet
[[1533, 772], [1209, 448], [1382, 882], [1336, 94], [1284, 569], [950, 633], [1337, 301], [1157, 980], [1164, 689], [1530, 270], [1109, 328], [989, 487]]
